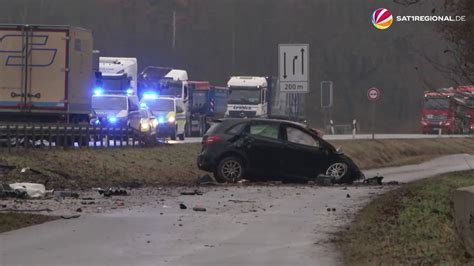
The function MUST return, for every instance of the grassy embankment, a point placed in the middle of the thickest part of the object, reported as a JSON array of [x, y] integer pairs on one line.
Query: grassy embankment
[[412, 225], [176, 164]]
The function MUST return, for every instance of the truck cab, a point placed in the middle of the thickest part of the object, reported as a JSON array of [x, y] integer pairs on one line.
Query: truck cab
[[248, 97], [443, 111], [118, 74], [169, 112]]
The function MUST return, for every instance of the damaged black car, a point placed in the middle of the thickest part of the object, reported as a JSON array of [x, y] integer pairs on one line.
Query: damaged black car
[[234, 149]]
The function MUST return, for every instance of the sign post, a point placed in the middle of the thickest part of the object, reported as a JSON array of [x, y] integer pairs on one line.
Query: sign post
[[373, 94]]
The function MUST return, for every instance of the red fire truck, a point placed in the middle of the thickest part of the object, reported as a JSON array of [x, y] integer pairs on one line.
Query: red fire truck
[[444, 110]]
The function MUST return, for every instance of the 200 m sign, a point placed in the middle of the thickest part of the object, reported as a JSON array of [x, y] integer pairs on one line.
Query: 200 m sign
[[294, 87]]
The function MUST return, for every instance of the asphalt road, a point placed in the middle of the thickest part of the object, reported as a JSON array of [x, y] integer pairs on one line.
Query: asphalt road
[[361, 136], [280, 225]]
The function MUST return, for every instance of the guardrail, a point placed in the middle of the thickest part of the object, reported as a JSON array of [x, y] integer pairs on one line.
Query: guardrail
[[48, 136]]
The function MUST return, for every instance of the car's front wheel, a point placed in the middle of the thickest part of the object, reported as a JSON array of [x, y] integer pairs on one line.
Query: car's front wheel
[[338, 170], [230, 169]]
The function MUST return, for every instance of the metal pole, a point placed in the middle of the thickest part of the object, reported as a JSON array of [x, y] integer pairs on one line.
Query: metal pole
[[373, 120], [174, 29]]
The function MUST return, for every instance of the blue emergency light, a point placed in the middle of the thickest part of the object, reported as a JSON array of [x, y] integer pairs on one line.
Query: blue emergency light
[[98, 91], [161, 120], [150, 95], [129, 91], [143, 106], [112, 119]]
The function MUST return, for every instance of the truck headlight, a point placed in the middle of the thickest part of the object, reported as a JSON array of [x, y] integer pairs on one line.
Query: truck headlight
[[171, 119]]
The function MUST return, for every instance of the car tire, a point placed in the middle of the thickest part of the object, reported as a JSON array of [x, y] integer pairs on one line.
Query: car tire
[[338, 170], [230, 169]]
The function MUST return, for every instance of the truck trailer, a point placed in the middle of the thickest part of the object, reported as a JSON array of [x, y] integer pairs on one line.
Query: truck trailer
[[46, 73]]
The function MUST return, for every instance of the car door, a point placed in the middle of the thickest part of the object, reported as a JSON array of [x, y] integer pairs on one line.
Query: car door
[[306, 156], [264, 147]]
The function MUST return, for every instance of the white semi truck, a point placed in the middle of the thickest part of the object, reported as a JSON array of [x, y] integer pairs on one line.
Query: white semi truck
[[251, 96], [46, 73]]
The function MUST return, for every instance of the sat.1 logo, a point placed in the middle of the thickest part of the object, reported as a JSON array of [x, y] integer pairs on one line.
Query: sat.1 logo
[[382, 18]]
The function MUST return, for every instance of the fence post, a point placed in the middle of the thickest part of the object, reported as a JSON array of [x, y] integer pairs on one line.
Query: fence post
[[354, 128], [50, 137], [88, 135], [65, 136], [440, 129], [114, 134], [58, 139], [17, 133], [41, 136], [332, 126], [95, 137], [9, 138], [25, 138]]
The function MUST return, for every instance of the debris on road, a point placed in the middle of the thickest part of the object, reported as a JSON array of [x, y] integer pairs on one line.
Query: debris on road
[[393, 183], [182, 206], [376, 180], [325, 180], [206, 180], [192, 193], [199, 209], [8, 192], [6, 168], [242, 201], [112, 192], [66, 194], [348, 196], [73, 216], [33, 190], [79, 210]]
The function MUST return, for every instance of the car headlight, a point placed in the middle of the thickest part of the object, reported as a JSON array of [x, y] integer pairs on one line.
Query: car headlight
[[171, 119], [145, 126]]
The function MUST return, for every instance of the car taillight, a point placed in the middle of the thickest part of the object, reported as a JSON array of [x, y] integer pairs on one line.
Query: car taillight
[[210, 139]]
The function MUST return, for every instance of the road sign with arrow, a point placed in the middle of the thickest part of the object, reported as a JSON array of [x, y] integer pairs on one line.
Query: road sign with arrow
[[293, 61]]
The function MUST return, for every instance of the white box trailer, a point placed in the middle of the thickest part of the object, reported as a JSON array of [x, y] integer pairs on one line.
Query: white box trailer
[[46, 73]]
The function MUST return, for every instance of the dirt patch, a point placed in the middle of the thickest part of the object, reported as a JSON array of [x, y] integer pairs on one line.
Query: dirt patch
[[13, 221], [410, 225]]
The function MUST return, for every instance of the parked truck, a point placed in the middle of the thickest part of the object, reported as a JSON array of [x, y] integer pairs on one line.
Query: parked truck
[[251, 96], [46, 73], [467, 94], [443, 110], [201, 101]]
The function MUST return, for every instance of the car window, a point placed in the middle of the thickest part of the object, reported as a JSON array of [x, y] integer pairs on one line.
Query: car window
[[236, 129], [295, 135], [268, 130]]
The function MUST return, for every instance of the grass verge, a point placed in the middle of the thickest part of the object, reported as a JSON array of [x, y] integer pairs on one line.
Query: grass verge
[[410, 225], [176, 164], [13, 221]]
